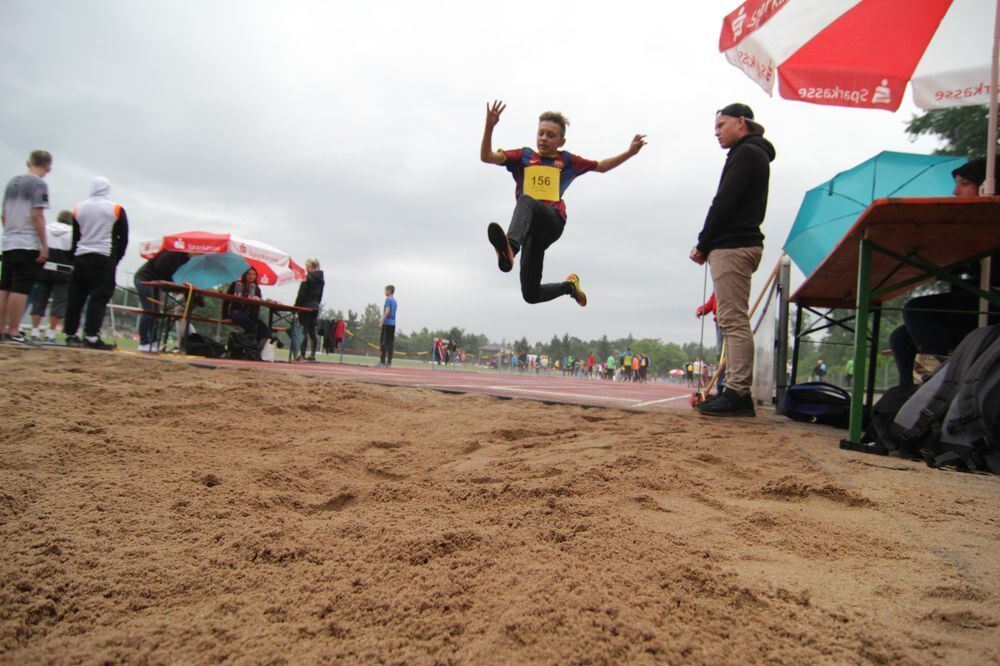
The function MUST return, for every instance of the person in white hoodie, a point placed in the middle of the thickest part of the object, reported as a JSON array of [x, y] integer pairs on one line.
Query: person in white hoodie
[[100, 237], [53, 281]]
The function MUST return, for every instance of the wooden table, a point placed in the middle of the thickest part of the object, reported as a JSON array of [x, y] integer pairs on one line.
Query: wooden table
[[177, 305], [895, 246]]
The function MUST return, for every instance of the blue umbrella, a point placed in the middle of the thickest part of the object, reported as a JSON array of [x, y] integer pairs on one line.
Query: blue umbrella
[[830, 210], [210, 270]]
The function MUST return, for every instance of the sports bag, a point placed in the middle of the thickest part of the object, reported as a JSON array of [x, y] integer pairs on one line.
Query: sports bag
[[970, 436], [922, 417], [200, 345], [243, 346], [882, 434], [817, 402]]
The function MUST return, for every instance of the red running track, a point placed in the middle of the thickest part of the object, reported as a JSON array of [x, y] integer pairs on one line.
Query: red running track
[[528, 386]]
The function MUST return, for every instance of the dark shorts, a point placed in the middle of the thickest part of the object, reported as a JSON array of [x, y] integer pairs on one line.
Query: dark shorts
[[19, 271], [57, 291]]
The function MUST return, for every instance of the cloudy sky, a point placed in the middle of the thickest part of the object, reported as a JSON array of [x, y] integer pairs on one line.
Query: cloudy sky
[[350, 132]]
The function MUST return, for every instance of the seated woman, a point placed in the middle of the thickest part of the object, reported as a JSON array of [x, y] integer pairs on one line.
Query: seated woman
[[247, 315], [936, 323]]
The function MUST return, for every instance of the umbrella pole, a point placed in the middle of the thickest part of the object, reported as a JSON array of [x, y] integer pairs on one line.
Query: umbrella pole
[[991, 155]]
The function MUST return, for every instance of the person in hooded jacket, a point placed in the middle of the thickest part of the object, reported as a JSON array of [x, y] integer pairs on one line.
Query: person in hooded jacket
[[731, 243], [100, 238], [310, 296], [53, 283]]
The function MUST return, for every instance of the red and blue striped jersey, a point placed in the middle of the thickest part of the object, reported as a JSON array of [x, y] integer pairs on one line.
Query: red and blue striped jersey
[[570, 166]]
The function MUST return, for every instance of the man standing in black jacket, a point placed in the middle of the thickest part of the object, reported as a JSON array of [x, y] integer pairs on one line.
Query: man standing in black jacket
[[732, 244], [310, 296]]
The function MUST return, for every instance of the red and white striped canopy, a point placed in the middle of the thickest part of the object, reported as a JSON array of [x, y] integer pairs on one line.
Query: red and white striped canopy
[[862, 53], [273, 266]]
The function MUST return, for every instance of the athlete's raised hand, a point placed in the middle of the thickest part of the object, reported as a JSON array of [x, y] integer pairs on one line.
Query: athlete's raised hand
[[493, 112], [637, 143]]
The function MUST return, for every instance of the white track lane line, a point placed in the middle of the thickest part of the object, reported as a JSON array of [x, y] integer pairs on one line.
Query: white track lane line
[[589, 396], [657, 402]]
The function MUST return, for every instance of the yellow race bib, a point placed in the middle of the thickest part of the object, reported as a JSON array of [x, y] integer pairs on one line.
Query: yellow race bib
[[542, 183]]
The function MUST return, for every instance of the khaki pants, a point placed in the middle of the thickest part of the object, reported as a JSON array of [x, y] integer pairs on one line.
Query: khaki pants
[[731, 273]]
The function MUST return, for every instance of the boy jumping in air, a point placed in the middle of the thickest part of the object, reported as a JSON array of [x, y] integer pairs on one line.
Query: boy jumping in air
[[541, 178]]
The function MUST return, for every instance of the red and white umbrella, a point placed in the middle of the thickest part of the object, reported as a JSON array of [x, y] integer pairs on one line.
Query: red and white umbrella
[[273, 266], [862, 53]]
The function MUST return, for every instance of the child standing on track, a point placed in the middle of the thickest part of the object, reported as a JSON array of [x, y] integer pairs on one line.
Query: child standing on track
[[388, 326], [539, 218]]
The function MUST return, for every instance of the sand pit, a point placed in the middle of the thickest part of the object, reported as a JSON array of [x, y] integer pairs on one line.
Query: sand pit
[[159, 512]]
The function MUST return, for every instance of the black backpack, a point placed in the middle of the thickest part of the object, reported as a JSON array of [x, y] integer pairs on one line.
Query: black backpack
[[817, 402], [882, 434], [200, 345], [952, 419], [243, 346]]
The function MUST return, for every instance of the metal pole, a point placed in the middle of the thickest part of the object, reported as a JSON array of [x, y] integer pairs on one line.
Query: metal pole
[[873, 357], [781, 353], [989, 187], [796, 342], [860, 340]]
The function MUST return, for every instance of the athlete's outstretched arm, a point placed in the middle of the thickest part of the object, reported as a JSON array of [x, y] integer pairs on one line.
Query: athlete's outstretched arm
[[486, 152], [610, 163]]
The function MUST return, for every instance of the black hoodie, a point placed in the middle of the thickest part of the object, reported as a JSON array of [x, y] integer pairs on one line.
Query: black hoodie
[[311, 291], [740, 203]]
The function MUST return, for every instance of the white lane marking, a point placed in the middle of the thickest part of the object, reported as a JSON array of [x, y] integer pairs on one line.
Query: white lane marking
[[657, 402], [544, 392]]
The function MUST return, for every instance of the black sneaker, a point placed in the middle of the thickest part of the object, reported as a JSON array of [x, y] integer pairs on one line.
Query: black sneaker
[[73, 341], [729, 403], [498, 239], [21, 339], [97, 344]]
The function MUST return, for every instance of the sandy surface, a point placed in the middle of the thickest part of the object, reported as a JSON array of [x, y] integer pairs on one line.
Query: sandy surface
[[159, 512]]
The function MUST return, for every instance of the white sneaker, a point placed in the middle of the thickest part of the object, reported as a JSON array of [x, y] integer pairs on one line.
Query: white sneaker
[[146, 348]]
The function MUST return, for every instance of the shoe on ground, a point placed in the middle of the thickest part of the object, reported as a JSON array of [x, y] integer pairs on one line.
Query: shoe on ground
[[148, 349], [97, 344], [498, 239], [21, 339], [577, 294], [729, 403], [73, 341]]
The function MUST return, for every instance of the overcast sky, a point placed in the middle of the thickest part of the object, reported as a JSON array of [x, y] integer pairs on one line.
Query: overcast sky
[[350, 132]]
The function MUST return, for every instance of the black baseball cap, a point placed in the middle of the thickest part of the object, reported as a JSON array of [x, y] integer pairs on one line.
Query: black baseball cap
[[737, 110]]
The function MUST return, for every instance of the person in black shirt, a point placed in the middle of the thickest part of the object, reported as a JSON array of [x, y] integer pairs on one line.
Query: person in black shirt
[[310, 296], [247, 315], [160, 268], [731, 243], [936, 323]]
